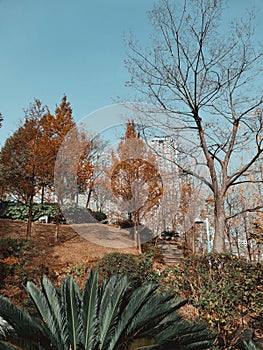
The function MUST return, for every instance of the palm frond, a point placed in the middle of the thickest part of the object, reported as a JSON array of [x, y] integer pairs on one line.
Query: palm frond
[[90, 311], [55, 307], [5, 328], [106, 317], [133, 306], [153, 311], [19, 319], [109, 316], [106, 290], [251, 345], [186, 335], [7, 346], [18, 343], [71, 298], [49, 324]]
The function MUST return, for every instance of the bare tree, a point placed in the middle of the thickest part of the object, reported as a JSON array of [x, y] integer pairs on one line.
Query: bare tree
[[206, 79]]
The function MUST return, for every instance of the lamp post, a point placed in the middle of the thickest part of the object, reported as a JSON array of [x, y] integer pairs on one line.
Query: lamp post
[[206, 222]]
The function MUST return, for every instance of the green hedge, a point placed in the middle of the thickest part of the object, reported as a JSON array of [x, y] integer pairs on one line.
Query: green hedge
[[70, 213], [19, 211]]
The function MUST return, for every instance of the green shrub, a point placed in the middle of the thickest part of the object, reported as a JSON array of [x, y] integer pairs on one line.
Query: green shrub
[[71, 213], [139, 269], [13, 255], [98, 215], [227, 290], [124, 223], [19, 211], [48, 209], [102, 316], [14, 211]]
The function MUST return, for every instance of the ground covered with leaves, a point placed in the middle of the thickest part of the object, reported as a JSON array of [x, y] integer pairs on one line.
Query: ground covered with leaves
[[22, 260], [224, 290]]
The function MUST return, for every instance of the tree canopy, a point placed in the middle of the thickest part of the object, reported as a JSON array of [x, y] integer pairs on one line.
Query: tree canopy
[[204, 80]]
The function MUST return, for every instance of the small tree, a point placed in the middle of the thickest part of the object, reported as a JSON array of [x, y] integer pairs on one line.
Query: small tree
[[55, 128], [135, 179], [21, 159]]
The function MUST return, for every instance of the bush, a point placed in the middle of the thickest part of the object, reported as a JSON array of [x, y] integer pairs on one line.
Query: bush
[[72, 213], [102, 316], [76, 215], [19, 211], [138, 268], [228, 291], [13, 255], [14, 211], [124, 223], [48, 209], [98, 215]]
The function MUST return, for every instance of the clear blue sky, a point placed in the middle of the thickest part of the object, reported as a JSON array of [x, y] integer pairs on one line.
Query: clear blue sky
[[52, 47]]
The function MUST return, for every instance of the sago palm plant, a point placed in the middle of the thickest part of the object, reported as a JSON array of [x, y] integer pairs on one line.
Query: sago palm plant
[[109, 316]]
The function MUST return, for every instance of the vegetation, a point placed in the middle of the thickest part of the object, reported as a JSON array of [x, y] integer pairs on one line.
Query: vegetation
[[19, 211], [106, 316], [135, 179], [14, 254], [29, 156], [70, 213], [139, 269], [228, 292], [204, 85], [17, 267]]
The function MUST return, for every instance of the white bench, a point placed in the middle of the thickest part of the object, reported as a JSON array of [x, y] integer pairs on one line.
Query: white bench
[[43, 219]]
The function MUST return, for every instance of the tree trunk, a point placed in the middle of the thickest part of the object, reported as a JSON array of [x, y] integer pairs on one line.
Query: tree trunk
[[247, 239], [219, 238], [42, 193], [229, 239], [137, 237], [89, 196], [30, 216], [57, 223]]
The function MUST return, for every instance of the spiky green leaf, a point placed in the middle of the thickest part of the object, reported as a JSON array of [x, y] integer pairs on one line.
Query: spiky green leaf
[[71, 297], [21, 321], [90, 311], [56, 308], [109, 315], [48, 318]]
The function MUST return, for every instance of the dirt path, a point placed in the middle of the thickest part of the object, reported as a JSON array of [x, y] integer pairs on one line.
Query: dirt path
[[105, 235]]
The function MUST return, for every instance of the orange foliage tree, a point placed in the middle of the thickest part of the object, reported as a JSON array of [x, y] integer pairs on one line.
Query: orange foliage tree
[[29, 156], [70, 154], [22, 161], [135, 179]]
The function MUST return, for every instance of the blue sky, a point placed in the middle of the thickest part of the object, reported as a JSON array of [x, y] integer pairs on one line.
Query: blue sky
[[52, 47]]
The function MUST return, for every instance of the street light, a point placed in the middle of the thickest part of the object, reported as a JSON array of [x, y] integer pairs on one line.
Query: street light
[[201, 221]]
